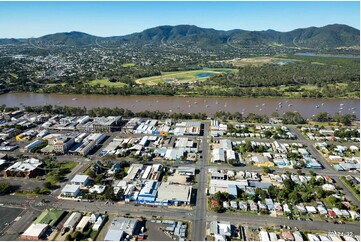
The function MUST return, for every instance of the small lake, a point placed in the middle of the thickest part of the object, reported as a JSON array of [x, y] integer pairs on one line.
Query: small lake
[[325, 55], [203, 74]]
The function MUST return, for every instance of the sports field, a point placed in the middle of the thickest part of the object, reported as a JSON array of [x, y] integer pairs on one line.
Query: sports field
[[182, 76], [106, 82]]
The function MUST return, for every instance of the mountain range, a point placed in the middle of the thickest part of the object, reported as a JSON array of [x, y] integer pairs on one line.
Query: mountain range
[[329, 37]]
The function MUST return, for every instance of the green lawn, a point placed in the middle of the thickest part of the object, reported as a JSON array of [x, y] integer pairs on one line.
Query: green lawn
[[128, 64], [106, 82], [180, 76]]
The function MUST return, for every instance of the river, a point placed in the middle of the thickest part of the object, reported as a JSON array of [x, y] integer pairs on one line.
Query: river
[[209, 105]]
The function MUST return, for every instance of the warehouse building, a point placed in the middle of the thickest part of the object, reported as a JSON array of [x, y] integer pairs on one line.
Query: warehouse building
[[120, 228], [172, 194], [35, 232]]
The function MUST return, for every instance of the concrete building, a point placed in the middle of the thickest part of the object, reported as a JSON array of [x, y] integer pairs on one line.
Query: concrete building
[[120, 227], [70, 190], [106, 124], [28, 169], [222, 228], [172, 194], [81, 180], [63, 144], [148, 193], [35, 232]]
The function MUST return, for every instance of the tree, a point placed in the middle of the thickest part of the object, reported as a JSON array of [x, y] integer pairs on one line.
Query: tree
[[4, 188], [266, 170], [48, 185], [275, 115], [77, 236], [68, 237], [260, 194], [322, 117], [294, 197], [273, 191]]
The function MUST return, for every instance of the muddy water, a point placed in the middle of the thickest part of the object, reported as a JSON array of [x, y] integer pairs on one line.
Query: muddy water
[[209, 105]]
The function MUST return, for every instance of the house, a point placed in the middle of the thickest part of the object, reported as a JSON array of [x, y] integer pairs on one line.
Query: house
[[354, 215], [81, 180], [99, 189], [288, 236], [252, 205], [331, 213], [298, 236], [262, 161], [337, 212], [70, 191], [243, 206], [321, 210], [99, 223], [269, 204], [264, 236], [329, 187], [311, 209]]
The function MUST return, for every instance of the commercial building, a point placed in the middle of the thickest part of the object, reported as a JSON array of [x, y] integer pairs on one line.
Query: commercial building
[[70, 190], [120, 227], [81, 180], [83, 224], [106, 124], [172, 194], [28, 169], [72, 221], [62, 144], [35, 231]]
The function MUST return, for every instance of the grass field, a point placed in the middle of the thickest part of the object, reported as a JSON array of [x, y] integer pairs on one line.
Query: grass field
[[181, 76], [257, 61], [128, 64], [106, 82]]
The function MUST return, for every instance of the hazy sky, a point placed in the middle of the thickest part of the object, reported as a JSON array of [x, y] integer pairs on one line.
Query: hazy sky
[[34, 19]]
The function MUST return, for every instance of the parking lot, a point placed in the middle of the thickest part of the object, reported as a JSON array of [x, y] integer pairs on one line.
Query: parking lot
[[7, 215]]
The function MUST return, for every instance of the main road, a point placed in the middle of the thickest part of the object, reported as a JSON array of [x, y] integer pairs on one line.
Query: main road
[[200, 210]]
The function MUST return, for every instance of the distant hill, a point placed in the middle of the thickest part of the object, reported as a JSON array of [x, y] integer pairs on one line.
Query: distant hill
[[330, 36]]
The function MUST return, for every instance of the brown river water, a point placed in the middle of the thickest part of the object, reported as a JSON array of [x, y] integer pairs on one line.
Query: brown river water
[[209, 105]]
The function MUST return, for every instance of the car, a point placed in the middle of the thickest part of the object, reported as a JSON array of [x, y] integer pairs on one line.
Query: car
[[296, 228], [335, 222], [326, 220], [33, 218]]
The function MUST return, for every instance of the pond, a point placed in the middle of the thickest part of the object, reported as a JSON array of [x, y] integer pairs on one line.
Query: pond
[[203, 74]]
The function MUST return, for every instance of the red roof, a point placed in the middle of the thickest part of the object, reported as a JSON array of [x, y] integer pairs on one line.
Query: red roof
[[331, 213]]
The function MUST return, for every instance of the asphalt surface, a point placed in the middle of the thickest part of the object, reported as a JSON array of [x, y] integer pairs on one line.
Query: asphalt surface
[[200, 210]]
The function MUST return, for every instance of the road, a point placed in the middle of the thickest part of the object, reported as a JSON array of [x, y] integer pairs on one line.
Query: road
[[267, 221], [200, 210]]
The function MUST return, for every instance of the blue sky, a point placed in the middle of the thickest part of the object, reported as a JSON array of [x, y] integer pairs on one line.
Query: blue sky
[[34, 19]]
